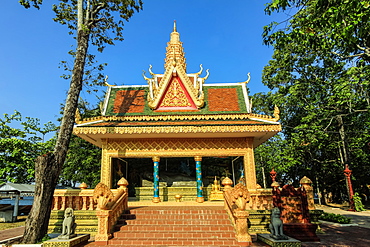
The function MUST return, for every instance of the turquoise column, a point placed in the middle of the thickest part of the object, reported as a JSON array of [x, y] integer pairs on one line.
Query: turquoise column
[[156, 180], [198, 170]]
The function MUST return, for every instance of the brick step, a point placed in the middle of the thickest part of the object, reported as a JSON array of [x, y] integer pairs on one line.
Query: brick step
[[178, 222], [173, 234], [173, 242], [176, 211], [174, 216], [178, 228]]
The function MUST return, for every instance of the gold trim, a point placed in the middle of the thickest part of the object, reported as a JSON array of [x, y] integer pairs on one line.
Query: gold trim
[[198, 158], [236, 116], [177, 129], [177, 147], [156, 159]]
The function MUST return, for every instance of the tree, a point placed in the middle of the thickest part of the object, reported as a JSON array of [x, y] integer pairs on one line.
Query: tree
[[93, 22], [83, 158], [319, 77], [20, 147]]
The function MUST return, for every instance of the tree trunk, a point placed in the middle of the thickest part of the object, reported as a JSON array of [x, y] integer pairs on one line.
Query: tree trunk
[[46, 173], [49, 166]]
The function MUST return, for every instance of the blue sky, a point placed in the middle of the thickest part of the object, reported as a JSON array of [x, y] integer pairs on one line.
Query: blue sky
[[224, 36]]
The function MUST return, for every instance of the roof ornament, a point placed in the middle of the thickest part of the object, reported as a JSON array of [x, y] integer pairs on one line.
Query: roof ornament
[[248, 104], [145, 78], [276, 113], [201, 82], [201, 70], [151, 83], [249, 78], [78, 117], [174, 57], [150, 70], [106, 82]]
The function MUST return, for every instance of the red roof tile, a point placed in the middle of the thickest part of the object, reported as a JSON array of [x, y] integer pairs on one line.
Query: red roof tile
[[129, 101], [223, 99]]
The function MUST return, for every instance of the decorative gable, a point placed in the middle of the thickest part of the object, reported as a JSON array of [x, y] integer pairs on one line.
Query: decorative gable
[[188, 94], [176, 97]]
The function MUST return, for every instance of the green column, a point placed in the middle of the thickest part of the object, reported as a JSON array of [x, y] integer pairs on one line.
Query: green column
[[198, 167], [156, 180]]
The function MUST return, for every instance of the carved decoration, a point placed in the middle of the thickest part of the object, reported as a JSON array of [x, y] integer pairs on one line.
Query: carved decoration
[[179, 144], [276, 113], [240, 196], [175, 97], [175, 65], [78, 118], [227, 183], [177, 129], [102, 196], [181, 117]]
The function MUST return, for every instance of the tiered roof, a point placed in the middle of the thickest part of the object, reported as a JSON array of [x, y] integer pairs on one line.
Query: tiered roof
[[177, 104]]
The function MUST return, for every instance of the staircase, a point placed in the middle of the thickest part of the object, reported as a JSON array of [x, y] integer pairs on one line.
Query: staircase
[[174, 226]]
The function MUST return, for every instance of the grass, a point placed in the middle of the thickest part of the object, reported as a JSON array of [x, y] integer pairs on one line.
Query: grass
[[20, 222]]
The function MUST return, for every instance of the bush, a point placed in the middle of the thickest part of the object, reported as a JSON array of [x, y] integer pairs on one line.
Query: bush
[[337, 218], [358, 203]]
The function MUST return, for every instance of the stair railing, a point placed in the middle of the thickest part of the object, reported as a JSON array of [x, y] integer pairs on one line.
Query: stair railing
[[109, 208], [235, 205]]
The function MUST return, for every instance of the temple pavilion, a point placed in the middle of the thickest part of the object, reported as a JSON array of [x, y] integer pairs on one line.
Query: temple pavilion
[[178, 114]]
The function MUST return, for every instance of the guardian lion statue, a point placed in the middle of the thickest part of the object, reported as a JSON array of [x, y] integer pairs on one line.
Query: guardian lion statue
[[276, 225], [69, 225]]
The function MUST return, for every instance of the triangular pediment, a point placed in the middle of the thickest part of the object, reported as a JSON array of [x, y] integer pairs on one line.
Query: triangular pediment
[[175, 81], [176, 97]]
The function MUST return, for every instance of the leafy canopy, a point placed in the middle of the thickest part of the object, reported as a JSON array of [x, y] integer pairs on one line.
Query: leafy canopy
[[319, 78], [19, 147]]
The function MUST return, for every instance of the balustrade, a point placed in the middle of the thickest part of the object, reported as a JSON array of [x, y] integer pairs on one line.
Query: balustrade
[[236, 200]]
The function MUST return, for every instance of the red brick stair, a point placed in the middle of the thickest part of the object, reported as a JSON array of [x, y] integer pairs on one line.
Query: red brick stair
[[175, 226]]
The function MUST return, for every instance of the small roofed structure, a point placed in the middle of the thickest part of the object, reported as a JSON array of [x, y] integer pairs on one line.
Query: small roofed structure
[[9, 212], [178, 115]]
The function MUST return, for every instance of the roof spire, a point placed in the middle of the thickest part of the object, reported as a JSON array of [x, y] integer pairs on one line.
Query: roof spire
[[175, 51]]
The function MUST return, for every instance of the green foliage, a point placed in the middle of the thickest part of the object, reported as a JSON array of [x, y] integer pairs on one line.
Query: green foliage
[[45, 238], [335, 26], [104, 19], [358, 203], [20, 146], [83, 161], [337, 218], [28, 3], [319, 78], [82, 164]]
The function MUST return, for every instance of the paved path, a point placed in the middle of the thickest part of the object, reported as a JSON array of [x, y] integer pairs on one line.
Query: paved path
[[11, 233], [360, 218]]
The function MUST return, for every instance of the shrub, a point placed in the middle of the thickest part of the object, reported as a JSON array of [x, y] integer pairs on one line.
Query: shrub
[[358, 203], [337, 218]]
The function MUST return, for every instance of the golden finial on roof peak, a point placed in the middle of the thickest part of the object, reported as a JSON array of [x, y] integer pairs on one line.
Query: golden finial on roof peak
[[175, 36], [175, 53]]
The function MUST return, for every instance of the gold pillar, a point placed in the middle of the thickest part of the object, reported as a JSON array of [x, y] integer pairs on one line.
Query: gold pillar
[[249, 166], [106, 165]]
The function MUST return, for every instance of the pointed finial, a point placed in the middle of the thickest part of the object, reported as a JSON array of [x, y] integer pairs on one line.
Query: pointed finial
[[174, 26]]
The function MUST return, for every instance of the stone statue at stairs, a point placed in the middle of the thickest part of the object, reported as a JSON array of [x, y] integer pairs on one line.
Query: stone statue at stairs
[[276, 225], [69, 225]]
